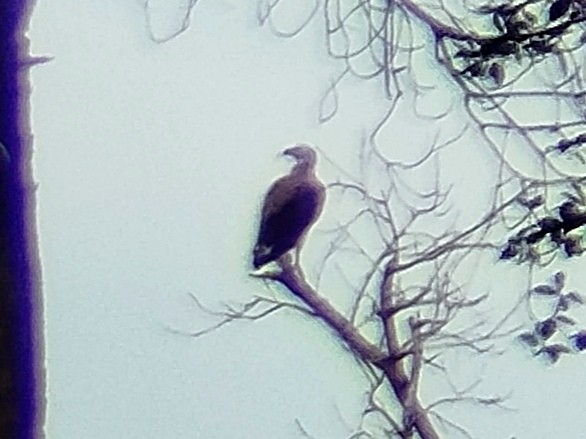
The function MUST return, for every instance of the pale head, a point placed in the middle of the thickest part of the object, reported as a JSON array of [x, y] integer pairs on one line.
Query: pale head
[[304, 154]]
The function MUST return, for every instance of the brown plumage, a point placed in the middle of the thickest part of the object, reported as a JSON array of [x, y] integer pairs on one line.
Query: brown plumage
[[292, 204]]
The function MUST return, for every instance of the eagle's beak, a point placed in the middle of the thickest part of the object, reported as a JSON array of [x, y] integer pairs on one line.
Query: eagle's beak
[[286, 152]]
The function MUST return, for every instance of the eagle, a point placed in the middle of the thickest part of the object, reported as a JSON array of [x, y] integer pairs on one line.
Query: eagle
[[291, 206]]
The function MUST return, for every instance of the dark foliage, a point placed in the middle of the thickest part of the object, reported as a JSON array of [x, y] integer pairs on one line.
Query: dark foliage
[[546, 328], [550, 336], [579, 340], [558, 9], [570, 218]]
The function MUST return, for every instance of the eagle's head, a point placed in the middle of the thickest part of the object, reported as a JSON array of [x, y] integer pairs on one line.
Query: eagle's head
[[302, 153]]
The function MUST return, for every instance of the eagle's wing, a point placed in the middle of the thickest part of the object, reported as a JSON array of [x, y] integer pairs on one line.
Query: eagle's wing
[[291, 207]]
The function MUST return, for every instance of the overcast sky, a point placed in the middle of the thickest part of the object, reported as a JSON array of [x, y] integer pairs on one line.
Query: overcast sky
[[152, 160]]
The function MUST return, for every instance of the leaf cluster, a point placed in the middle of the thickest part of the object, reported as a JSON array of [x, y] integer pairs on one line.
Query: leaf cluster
[[527, 30], [557, 333], [553, 231]]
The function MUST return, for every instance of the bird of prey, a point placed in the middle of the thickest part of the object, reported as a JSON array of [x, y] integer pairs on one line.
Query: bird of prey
[[291, 206]]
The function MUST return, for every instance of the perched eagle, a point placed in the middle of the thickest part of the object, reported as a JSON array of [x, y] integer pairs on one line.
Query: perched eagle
[[291, 206]]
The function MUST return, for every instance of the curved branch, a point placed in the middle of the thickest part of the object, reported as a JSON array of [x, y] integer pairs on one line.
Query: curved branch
[[292, 278]]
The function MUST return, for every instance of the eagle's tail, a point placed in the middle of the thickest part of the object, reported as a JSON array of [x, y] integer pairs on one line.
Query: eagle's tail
[[262, 255]]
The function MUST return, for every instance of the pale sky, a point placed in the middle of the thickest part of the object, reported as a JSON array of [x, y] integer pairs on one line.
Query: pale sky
[[152, 160]]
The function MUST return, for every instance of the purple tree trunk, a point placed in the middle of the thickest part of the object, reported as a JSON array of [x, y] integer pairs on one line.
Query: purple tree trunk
[[21, 347]]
